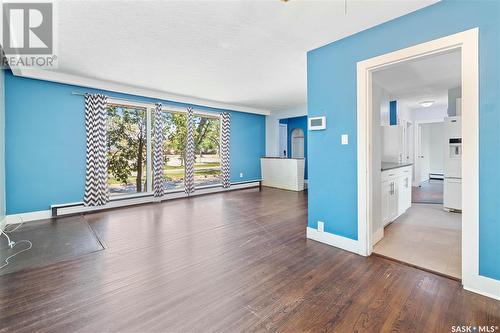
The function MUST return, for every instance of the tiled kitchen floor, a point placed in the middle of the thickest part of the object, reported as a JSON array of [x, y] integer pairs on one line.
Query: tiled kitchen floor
[[430, 192], [425, 236]]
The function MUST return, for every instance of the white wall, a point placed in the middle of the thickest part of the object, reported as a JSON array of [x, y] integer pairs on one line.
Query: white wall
[[383, 103], [453, 94], [433, 114], [2, 149], [436, 147], [425, 142], [272, 127], [380, 106]]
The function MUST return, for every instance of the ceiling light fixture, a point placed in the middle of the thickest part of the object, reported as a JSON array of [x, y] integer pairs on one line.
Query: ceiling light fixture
[[426, 104]]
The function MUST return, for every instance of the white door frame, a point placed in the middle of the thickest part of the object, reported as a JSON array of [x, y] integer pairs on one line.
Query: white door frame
[[293, 143], [280, 151], [416, 147], [467, 42]]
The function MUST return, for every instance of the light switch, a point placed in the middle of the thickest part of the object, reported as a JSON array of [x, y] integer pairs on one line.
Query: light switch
[[345, 139]]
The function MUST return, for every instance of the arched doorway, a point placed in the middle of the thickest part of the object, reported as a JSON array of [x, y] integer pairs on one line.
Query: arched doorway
[[297, 143]]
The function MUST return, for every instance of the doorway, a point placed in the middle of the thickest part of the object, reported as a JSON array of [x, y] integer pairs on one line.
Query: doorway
[[466, 43], [428, 183], [419, 233], [283, 141], [297, 143]]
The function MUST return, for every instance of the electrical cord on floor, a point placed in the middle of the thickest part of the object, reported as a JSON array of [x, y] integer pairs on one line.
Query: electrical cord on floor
[[30, 245], [14, 229], [12, 243]]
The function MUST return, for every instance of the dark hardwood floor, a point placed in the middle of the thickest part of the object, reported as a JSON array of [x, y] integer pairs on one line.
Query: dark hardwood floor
[[231, 262]]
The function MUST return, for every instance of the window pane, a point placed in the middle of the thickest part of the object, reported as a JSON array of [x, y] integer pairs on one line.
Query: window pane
[[206, 148], [174, 148], [127, 147]]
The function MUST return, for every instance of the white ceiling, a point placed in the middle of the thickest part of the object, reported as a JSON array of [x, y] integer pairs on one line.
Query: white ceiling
[[248, 53], [421, 80]]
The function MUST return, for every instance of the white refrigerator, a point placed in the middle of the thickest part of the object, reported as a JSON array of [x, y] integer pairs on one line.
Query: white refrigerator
[[452, 196]]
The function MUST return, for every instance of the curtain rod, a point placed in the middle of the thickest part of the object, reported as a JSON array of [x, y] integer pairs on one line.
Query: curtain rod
[[198, 111], [112, 97]]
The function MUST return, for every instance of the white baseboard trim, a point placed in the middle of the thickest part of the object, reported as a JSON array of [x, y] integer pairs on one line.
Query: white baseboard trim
[[343, 243], [78, 207], [479, 284], [377, 236], [484, 286], [28, 217], [3, 223]]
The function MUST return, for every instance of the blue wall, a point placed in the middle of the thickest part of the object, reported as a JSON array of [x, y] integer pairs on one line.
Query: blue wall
[[293, 123], [393, 113], [332, 92], [45, 143]]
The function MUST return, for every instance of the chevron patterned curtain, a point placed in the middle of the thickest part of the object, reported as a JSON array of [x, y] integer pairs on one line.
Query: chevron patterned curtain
[[96, 177], [225, 149], [189, 170], [158, 159]]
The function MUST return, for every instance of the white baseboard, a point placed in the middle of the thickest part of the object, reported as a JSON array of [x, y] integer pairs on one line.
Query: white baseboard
[[3, 223], [377, 236], [343, 243], [28, 217], [79, 208], [484, 286]]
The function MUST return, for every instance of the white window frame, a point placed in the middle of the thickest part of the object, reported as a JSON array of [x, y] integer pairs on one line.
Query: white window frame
[[149, 164], [149, 145], [219, 118]]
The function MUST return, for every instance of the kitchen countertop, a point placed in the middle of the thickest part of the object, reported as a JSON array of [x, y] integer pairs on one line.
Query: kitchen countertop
[[390, 165]]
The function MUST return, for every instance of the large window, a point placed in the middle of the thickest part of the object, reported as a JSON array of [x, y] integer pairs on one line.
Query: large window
[[206, 149], [127, 149], [130, 152], [174, 149], [206, 132]]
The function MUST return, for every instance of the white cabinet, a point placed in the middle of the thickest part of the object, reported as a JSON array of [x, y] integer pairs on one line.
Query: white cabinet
[[404, 194], [389, 201], [395, 193]]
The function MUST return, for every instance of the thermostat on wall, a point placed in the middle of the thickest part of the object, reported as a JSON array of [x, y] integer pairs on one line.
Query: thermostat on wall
[[317, 123]]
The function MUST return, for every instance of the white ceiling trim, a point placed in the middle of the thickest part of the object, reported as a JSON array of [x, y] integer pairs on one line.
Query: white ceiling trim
[[59, 77]]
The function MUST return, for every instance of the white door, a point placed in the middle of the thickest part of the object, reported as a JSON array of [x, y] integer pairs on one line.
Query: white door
[[297, 143], [410, 148], [409, 143], [422, 166], [283, 150]]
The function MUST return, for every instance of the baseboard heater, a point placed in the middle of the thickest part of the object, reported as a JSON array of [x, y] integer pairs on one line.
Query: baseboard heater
[[436, 176], [78, 207]]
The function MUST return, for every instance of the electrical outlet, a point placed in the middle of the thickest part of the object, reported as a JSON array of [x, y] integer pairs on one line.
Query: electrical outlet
[[241, 174], [321, 226], [345, 139]]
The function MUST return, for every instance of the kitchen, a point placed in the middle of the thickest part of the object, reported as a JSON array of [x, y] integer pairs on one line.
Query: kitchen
[[417, 164]]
